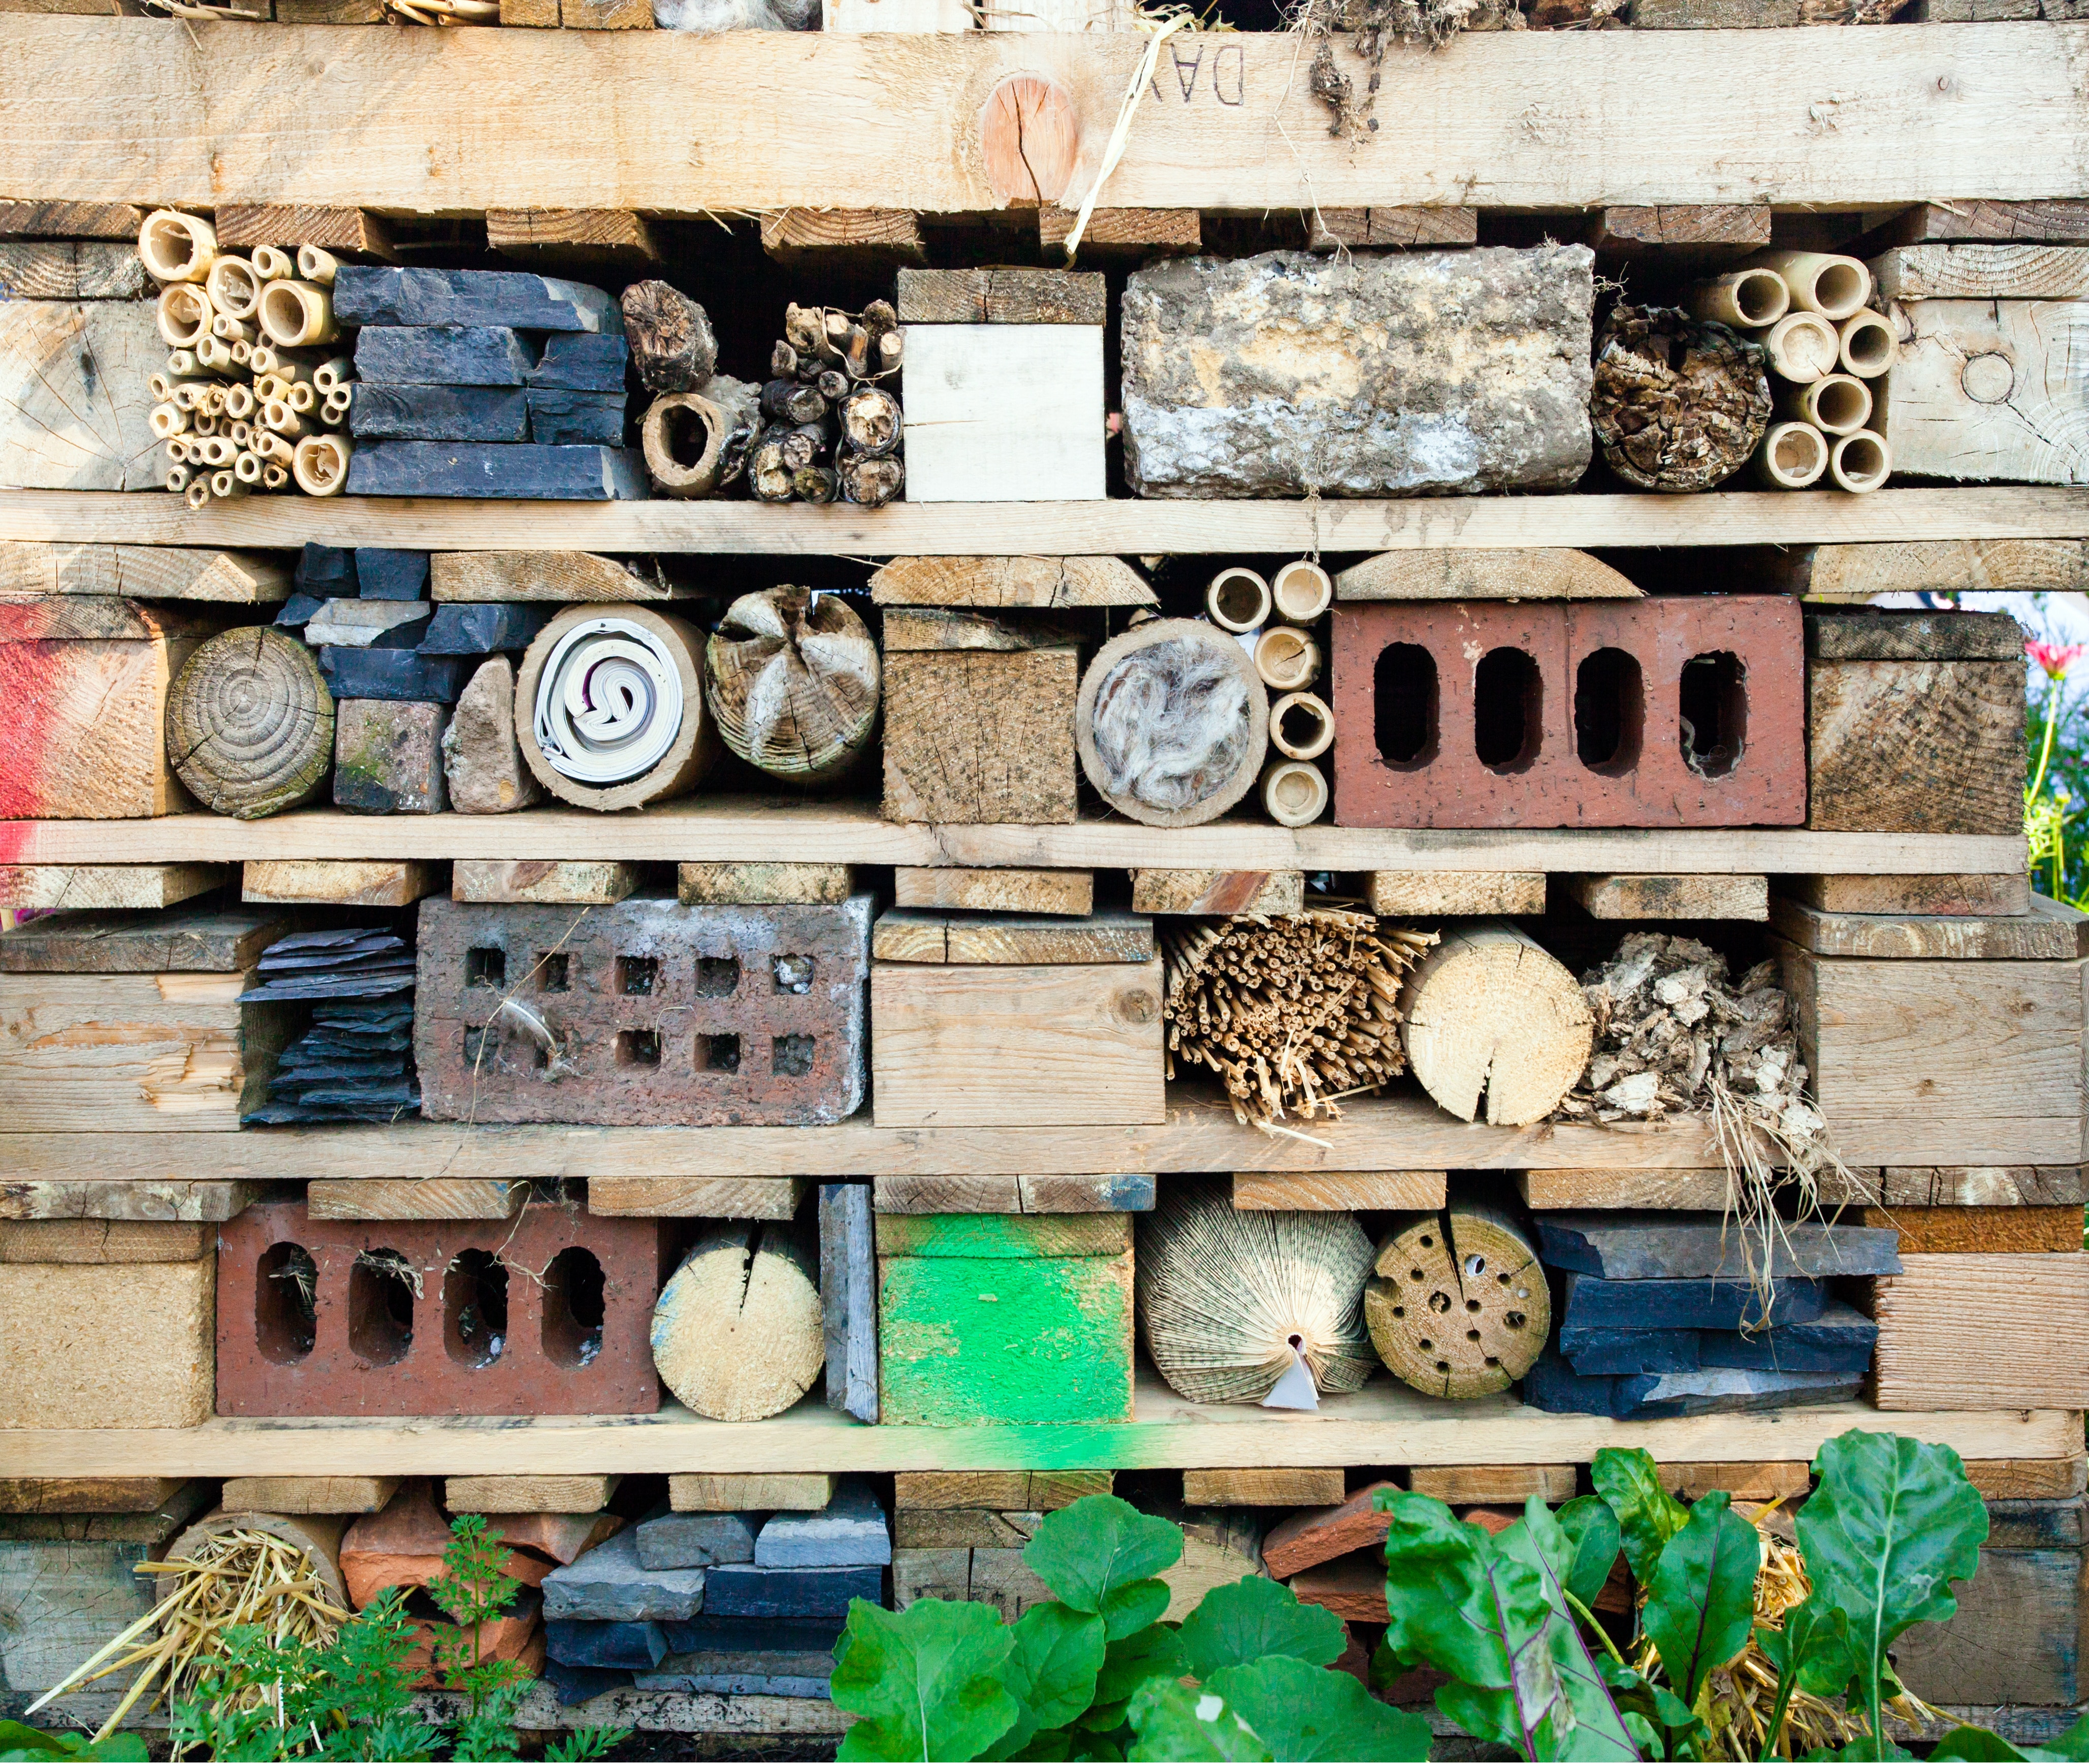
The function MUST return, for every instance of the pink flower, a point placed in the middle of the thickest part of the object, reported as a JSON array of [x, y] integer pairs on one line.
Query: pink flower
[[2056, 658]]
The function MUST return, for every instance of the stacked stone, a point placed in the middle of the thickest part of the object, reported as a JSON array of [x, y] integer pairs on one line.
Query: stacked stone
[[356, 1061]]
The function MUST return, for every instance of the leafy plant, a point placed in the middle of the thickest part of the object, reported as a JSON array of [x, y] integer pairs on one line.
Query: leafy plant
[[22, 1745], [1099, 1676]]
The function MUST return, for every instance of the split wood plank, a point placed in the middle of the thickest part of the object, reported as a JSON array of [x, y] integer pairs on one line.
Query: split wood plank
[[1980, 272], [1101, 1193], [1261, 1487], [833, 237], [1002, 297], [2046, 223], [1974, 381], [142, 573], [71, 221], [98, 1243], [191, 942], [1124, 232], [530, 15], [308, 1494], [1013, 1193], [1744, 1481], [536, 575], [89, 886], [331, 12], [539, 880], [1370, 1191], [1863, 572], [1977, 1231], [697, 1197], [1724, 227], [963, 1528], [1493, 1484], [2029, 1478], [1691, 1191], [2051, 932], [87, 1494], [1032, 584], [613, 236], [1669, 897], [1951, 1332], [528, 1493], [997, 890], [805, 1491], [415, 1197], [313, 881], [1976, 1185], [1217, 892], [1941, 896], [203, 1202], [939, 629], [1012, 1491], [981, 738], [763, 884], [356, 232], [70, 270], [1009, 939], [1455, 893], [1396, 228]]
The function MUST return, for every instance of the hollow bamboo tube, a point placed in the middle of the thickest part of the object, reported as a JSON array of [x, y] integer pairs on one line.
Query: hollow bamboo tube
[[184, 314], [291, 371], [315, 265], [1293, 791], [1301, 590], [240, 402], [1792, 456], [1859, 462], [301, 399], [217, 450], [1836, 404], [177, 450], [175, 247], [203, 420], [1746, 299], [329, 375], [242, 435], [231, 330], [271, 445], [214, 354], [182, 363], [336, 405], [1870, 344], [1238, 600], [178, 477], [1287, 659], [271, 265], [1301, 726], [225, 484], [167, 420], [197, 496], [1820, 282], [320, 465], [243, 353], [274, 476], [247, 468], [1802, 346], [234, 287], [294, 314], [280, 417]]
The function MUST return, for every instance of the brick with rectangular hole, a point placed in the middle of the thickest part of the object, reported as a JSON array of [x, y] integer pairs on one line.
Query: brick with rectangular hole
[[548, 1315], [647, 1013], [1688, 711]]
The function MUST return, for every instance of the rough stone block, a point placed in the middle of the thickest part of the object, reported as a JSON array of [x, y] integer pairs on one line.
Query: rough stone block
[[660, 1014], [850, 1532], [388, 756], [1688, 712], [371, 296], [582, 361], [610, 1584], [572, 1341], [124, 1345], [742, 1590], [561, 418], [669, 1540], [382, 573], [467, 355], [729, 1672], [424, 413], [711, 1633], [1425, 372], [482, 760], [611, 1645], [327, 571], [490, 469], [397, 675], [481, 627], [981, 737]]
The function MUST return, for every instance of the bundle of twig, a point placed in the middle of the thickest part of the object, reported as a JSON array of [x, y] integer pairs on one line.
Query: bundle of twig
[[1294, 1013], [828, 431]]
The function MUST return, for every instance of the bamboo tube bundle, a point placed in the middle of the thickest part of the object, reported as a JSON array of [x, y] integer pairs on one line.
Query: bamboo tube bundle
[[1679, 403], [1302, 591], [1230, 1304], [1295, 792], [184, 314], [1870, 344], [1819, 281], [1744, 299], [1835, 404], [175, 247], [737, 1332], [1286, 657], [1238, 600], [792, 680], [1801, 345], [1793, 455], [1172, 722], [273, 264], [1458, 1305], [1292, 1013]]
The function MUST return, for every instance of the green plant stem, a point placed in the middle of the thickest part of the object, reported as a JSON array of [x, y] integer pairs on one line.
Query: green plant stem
[[1589, 1617], [2052, 723], [1774, 1736]]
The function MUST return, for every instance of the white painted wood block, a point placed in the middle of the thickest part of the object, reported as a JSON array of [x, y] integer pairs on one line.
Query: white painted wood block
[[1004, 413], [1990, 389]]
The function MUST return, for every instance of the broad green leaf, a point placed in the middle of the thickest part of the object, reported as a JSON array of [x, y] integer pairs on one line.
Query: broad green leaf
[[1859, 1752], [1643, 1736], [1813, 1646], [1100, 1555], [18, 1741], [926, 1680], [1891, 1524], [2072, 1746], [1173, 1723], [1978, 1744], [1592, 1528], [1648, 1515], [1307, 1712], [1701, 1601], [1150, 1653], [1050, 1673], [1252, 1619]]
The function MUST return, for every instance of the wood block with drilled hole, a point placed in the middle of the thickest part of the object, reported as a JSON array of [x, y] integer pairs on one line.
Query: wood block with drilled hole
[[1324, 1533], [316, 881], [904, 936], [996, 891], [697, 1197], [529, 1494], [998, 1490], [414, 1197], [476, 576], [352, 231], [1364, 1190], [1963, 896], [1002, 297], [1453, 892], [1952, 1332], [773, 1492], [1216, 892], [129, 1345], [1496, 1484], [1976, 1230], [1680, 230], [71, 221], [1261, 1487], [614, 236], [98, 1243], [1669, 897], [974, 737], [2029, 1478], [104, 887], [308, 1494], [867, 238], [2023, 1185], [763, 885], [1744, 1482], [2049, 933], [1124, 232], [87, 1494], [579, 881]]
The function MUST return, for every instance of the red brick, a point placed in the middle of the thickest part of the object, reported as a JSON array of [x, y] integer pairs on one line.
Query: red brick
[[1547, 783], [362, 1362], [664, 1015], [1320, 1534], [1351, 1586]]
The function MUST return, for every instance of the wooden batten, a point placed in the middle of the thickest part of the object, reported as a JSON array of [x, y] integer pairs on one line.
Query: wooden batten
[[1682, 232], [859, 239], [607, 236], [422, 1197], [697, 1197], [30, 220], [1398, 229], [316, 880], [1669, 897], [1128, 232], [82, 886], [1362, 1190], [354, 232], [1069, 891]]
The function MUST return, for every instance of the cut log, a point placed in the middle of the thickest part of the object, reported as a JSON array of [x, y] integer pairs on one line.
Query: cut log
[[1488, 1010], [1539, 573], [141, 573], [1458, 1304], [737, 1333], [1678, 404], [1002, 297], [793, 682], [1009, 582], [979, 736], [1172, 724], [251, 723], [671, 342], [1981, 390], [1915, 747], [684, 433]]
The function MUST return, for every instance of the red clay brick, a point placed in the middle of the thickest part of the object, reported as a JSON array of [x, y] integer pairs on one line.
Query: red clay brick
[[364, 1358], [1643, 780], [1318, 1534]]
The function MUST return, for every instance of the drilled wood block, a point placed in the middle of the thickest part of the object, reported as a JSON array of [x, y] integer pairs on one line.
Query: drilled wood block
[[972, 737]]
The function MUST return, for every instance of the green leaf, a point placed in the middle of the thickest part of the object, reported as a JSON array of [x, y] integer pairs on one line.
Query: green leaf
[[2072, 1746], [1173, 1723], [1814, 1646], [1891, 1524], [1303, 1712], [1100, 1555], [1252, 1619], [926, 1680], [1592, 1528], [19, 1741], [1701, 1601], [1155, 1652], [1978, 1743], [1643, 1736], [1050, 1673], [1648, 1515], [1859, 1752]]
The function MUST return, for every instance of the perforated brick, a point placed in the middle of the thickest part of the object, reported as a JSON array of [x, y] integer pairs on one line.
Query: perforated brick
[[1688, 712], [546, 1315], [647, 1013]]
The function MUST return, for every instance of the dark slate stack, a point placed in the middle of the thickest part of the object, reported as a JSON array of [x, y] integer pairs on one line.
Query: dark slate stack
[[356, 1061], [1659, 1316]]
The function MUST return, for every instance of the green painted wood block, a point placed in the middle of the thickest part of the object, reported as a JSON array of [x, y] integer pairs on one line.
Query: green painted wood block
[[983, 1338], [1004, 1236]]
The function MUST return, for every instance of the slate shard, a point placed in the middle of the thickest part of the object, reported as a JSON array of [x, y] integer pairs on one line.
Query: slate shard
[[365, 296], [492, 469], [580, 361], [418, 413], [385, 574]]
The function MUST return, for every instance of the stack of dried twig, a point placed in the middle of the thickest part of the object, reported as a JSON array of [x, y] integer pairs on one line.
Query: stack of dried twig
[[1292, 1013]]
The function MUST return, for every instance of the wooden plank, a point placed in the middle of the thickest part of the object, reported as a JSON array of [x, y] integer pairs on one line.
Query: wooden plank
[[606, 14], [697, 1197], [308, 1494], [1124, 232], [107, 887], [415, 1197], [527, 1493], [1731, 226], [143, 573], [87, 1494], [1217, 891], [193, 941], [963, 1528], [1261, 1487], [70, 269], [2032, 1479], [848, 1298], [1001, 296], [95, 1243], [96, 708], [1669, 897], [1950, 1326], [1017, 588], [1000, 1234], [1493, 1484], [2050, 223], [948, 1193], [1099, 1193], [1862, 572], [1947, 896], [2015, 1638], [384, 882], [544, 879], [1982, 273], [855, 238], [1976, 1185], [1017, 1491], [939, 629], [1770, 1481], [1454, 894], [535, 575], [201, 1201], [71, 221], [997, 890], [763, 884], [1556, 1191], [614, 236], [1011, 939], [1397, 227], [2050, 933], [1983, 389], [1974, 1231], [241, 225], [1372, 1190], [798, 1492], [1016, 1045]]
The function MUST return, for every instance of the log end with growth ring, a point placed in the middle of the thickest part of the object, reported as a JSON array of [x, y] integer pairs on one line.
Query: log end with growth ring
[[736, 1332], [793, 681], [1488, 1012], [249, 722]]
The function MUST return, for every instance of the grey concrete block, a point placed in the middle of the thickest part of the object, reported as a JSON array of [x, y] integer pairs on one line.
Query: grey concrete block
[[694, 1539]]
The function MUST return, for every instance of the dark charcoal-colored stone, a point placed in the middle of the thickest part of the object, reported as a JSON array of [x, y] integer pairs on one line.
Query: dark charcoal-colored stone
[[669, 1540], [1553, 1386], [481, 627], [1685, 1304], [609, 1583], [416, 412], [383, 673], [367, 296], [745, 1635], [728, 1674], [742, 1591], [390, 575], [1604, 1353], [583, 361], [579, 1683], [1839, 1340], [327, 571], [625, 1646], [1656, 1245], [558, 417], [447, 355], [296, 612], [475, 469]]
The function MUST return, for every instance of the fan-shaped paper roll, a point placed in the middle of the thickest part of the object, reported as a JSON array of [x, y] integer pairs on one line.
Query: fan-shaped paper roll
[[792, 681], [1225, 1298], [249, 723], [1458, 1312], [609, 707], [737, 1333]]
